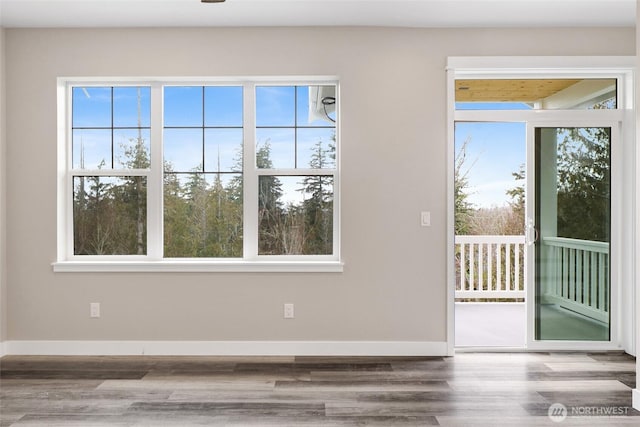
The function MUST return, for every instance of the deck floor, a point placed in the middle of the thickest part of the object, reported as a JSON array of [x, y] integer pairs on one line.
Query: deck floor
[[504, 325], [490, 324]]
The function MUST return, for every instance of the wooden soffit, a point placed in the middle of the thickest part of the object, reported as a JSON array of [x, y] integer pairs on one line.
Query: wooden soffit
[[530, 90]]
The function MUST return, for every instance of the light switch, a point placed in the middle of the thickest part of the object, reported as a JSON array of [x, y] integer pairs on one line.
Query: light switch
[[94, 309], [425, 219]]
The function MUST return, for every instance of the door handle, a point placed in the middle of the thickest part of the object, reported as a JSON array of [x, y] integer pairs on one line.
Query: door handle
[[532, 234]]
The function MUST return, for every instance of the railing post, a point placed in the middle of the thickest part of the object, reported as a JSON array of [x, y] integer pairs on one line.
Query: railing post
[[472, 277], [507, 276]]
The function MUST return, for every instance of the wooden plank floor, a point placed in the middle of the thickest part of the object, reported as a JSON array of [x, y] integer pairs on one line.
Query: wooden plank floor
[[470, 389]]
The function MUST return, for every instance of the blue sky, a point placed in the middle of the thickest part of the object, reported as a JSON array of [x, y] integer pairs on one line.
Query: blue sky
[[494, 152], [278, 110], [282, 118], [92, 118]]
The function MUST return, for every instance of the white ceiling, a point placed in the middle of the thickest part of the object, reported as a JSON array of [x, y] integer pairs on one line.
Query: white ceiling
[[402, 13]]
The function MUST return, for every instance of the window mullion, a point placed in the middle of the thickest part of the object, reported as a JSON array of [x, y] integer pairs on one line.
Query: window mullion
[[110, 172], [295, 172], [250, 175], [68, 177], [155, 181]]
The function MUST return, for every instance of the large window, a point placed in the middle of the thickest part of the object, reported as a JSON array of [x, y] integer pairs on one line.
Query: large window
[[182, 172]]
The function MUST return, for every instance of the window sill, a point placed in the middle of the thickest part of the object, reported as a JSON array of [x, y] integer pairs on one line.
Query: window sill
[[183, 266]]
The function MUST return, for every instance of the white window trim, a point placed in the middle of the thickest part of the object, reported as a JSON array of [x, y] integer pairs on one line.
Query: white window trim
[[153, 262]]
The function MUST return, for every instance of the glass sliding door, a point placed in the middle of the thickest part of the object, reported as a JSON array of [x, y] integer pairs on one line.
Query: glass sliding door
[[571, 232]]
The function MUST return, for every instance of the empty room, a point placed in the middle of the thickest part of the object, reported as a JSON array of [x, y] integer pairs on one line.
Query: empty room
[[319, 212]]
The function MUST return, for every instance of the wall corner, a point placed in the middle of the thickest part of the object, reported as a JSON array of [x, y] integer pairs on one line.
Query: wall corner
[[3, 229]]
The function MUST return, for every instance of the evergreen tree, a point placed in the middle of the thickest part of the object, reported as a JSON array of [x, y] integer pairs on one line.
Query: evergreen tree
[[517, 203], [95, 227], [232, 213], [318, 209], [197, 197], [224, 232], [135, 193], [462, 207], [133, 196], [270, 207], [584, 179], [102, 224]]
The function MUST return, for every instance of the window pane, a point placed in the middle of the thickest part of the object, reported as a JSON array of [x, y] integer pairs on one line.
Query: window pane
[[183, 106], [183, 150], [110, 215], [223, 106], [584, 182], [572, 254], [131, 106], [203, 209], [223, 150], [539, 94], [92, 149], [282, 143], [202, 215], [295, 215], [96, 143], [276, 148], [275, 106], [316, 148], [91, 107], [131, 148], [316, 105]]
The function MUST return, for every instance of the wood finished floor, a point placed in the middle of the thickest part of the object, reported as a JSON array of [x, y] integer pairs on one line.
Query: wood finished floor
[[470, 389]]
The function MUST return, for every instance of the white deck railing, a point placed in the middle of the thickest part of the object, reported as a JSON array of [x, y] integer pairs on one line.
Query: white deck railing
[[574, 273], [490, 267], [578, 276]]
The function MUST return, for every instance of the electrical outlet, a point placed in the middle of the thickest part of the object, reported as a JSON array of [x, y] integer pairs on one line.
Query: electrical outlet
[[425, 219], [94, 309], [288, 311]]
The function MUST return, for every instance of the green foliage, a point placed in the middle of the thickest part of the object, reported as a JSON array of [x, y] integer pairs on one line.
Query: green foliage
[[462, 207], [584, 180], [134, 191], [271, 212], [203, 212], [177, 240], [517, 203], [106, 216], [201, 218], [297, 228], [318, 209]]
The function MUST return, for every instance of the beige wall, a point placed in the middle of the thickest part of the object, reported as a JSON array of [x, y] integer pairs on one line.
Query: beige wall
[[636, 316], [3, 288], [393, 90]]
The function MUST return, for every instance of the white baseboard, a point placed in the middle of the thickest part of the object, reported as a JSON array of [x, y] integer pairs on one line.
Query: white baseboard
[[2, 349], [636, 399], [226, 348]]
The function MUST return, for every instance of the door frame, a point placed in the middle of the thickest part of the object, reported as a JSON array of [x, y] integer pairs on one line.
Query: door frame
[[624, 166]]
